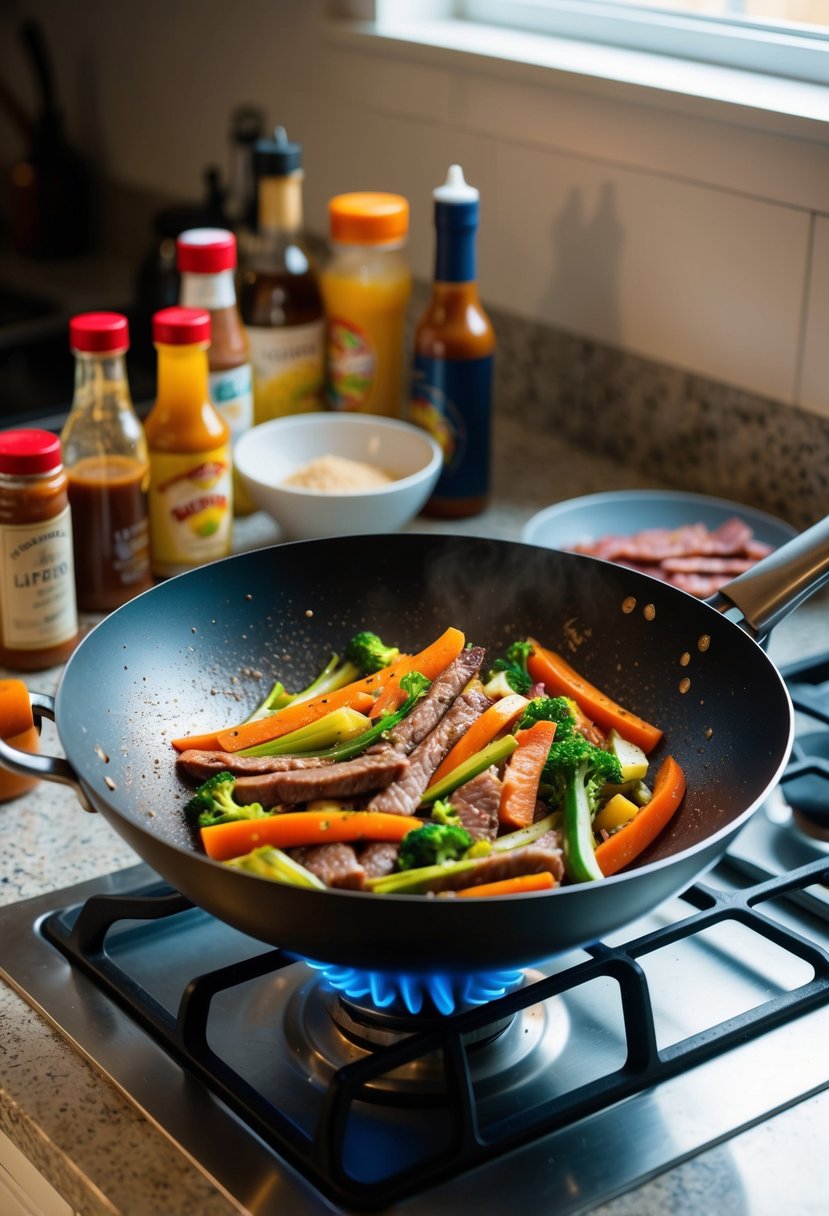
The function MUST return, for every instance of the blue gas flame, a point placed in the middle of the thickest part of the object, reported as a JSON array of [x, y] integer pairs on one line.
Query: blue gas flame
[[414, 994]]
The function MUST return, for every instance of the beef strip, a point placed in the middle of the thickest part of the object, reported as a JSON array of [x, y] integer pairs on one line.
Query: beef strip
[[378, 857], [430, 709], [334, 864], [531, 859], [402, 796], [477, 804], [343, 779], [200, 765]]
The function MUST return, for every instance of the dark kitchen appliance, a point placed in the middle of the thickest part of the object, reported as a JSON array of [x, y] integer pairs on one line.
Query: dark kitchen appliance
[[593, 1072]]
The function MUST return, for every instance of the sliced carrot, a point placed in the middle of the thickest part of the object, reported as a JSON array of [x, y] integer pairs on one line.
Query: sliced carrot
[[483, 730], [15, 708], [429, 662], [203, 743], [519, 791], [295, 829], [511, 886], [626, 844], [560, 679]]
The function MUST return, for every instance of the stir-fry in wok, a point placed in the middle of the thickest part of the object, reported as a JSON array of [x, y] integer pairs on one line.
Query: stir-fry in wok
[[442, 773]]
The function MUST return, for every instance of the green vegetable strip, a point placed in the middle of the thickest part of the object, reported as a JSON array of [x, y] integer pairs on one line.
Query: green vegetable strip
[[272, 863], [579, 853], [493, 753], [313, 739]]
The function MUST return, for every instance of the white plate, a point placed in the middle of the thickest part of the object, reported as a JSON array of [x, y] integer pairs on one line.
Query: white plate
[[625, 512]]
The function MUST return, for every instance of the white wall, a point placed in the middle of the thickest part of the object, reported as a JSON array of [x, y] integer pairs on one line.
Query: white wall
[[696, 236]]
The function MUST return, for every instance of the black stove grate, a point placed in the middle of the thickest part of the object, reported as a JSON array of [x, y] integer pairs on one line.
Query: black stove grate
[[324, 1156], [806, 778]]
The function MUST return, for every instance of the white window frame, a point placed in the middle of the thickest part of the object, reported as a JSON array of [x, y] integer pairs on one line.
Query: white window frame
[[433, 29], [748, 45]]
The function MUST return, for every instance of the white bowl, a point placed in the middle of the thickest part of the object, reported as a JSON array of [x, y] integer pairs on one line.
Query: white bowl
[[272, 451]]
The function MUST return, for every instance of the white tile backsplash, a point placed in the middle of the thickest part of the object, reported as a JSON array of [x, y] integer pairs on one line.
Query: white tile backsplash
[[679, 273]]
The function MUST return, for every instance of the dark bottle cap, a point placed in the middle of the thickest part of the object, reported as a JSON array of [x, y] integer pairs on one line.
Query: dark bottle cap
[[276, 157]]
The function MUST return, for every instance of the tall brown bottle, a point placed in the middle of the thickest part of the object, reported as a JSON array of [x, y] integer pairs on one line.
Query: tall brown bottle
[[279, 294]]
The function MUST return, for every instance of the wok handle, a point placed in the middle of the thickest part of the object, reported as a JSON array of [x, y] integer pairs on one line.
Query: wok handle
[[772, 589], [33, 764]]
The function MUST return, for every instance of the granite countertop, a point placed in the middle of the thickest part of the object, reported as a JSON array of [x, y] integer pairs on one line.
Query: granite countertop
[[106, 1159]]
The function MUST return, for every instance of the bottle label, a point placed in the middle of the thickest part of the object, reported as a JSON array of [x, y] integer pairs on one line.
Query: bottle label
[[351, 361], [190, 508], [452, 400], [231, 391], [288, 369], [37, 589]]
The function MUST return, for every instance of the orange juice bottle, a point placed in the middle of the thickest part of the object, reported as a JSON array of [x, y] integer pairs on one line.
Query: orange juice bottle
[[366, 287], [191, 498]]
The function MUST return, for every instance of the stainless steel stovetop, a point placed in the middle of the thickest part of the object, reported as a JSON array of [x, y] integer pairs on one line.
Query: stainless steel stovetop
[[603, 1069]]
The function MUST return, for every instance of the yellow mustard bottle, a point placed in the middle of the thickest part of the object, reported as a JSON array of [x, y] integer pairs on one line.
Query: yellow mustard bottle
[[191, 494]]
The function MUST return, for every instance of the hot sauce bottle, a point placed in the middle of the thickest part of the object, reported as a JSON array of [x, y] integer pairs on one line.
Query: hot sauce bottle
[[38, 610], [207, 263], [453, 355], [191, 495], [105, 454]]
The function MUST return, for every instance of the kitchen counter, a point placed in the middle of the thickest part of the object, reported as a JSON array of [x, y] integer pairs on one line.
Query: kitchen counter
[[106, 1159]]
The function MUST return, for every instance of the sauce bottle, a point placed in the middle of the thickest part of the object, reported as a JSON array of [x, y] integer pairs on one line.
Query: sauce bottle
[[207, 263], [38, 610], [366, 287], [105, 455], [453, 355], [191, 493], [279, 294]]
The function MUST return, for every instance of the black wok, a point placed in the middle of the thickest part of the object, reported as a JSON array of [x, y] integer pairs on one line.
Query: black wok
[[198, 651]]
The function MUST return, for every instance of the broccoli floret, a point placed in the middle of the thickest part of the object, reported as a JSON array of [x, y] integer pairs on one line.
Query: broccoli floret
[[551, 709], [444, 812], [433, 844], [213, 803], [514, 669], [575, 775], [369, 653]]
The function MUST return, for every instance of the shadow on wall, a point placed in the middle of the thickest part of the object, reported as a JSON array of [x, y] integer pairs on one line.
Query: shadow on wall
[[583, 294]]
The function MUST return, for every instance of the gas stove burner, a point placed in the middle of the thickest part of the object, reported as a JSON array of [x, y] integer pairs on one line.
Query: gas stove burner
[[326, 1031], [421, 996]]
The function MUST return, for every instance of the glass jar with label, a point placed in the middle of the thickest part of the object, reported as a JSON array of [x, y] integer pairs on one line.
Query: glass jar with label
[[366, 287], [279, 293], [191, 490], [105, 455], [207, 264], [38, 609]]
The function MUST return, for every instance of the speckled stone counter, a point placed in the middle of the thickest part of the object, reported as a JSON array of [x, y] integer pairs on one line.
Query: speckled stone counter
[[105, 1158]]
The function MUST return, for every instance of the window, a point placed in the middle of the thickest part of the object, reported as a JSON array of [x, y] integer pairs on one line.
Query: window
[[785, 38]]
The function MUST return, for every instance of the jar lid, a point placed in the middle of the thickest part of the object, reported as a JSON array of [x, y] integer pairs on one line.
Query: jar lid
[[181, 326], [29, 451], [276, 157], [367, 218], [99, 332], [206, 250]]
